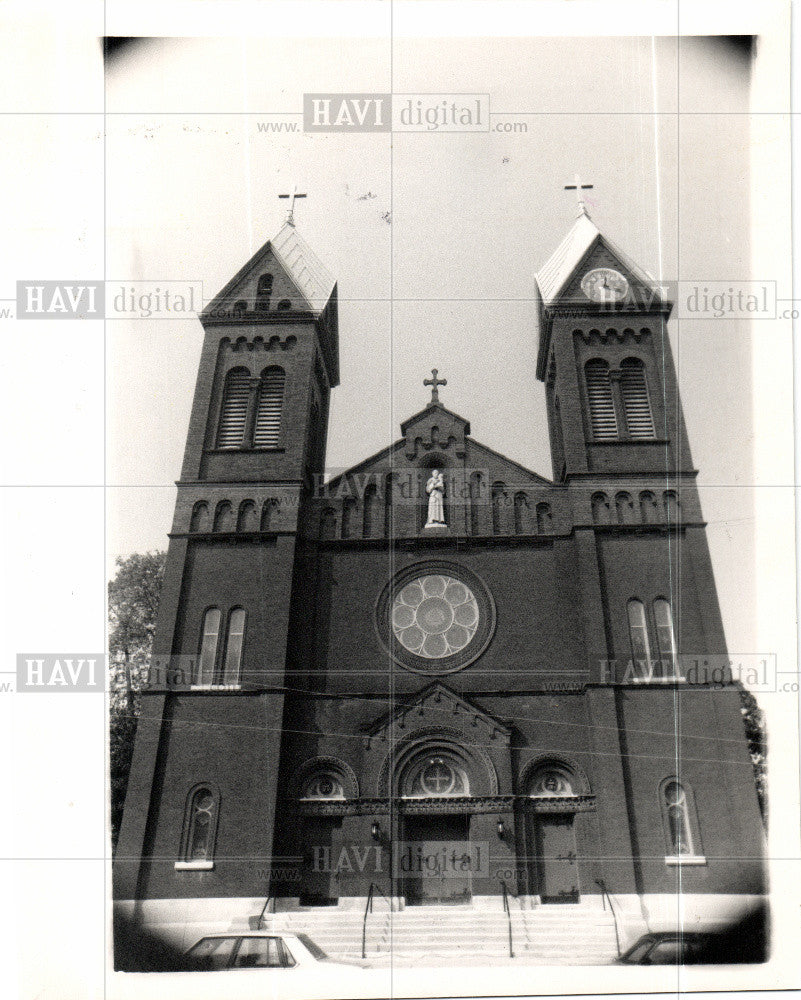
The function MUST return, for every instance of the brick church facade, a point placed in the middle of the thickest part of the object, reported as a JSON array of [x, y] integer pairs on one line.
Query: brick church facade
[[476, 663]]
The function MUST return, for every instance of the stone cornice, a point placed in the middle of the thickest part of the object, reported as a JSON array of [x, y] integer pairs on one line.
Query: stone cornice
[[450, 804]]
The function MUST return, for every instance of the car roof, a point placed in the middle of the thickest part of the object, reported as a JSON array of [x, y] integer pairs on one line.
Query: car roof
[[660, 935], [241, 932]]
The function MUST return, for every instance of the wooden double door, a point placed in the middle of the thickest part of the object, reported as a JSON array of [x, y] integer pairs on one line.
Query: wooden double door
[[423, 863], [553, 867]]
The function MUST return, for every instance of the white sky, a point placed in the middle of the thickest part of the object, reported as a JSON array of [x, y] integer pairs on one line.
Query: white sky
[[191, 193]]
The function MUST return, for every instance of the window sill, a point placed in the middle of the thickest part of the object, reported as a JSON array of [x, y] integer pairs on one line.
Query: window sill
[[215, 687], [686, 859], [628, 442], [239, 448], [658, 680], [194, 866]]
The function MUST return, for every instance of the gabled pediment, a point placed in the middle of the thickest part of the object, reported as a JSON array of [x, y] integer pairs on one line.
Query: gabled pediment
[[435, 428], [299, 282], [505, 469], [438, 705], [583, 249]]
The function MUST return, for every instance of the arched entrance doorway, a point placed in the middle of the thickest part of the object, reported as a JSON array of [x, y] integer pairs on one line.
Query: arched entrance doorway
[[434, 861], [550, 834]]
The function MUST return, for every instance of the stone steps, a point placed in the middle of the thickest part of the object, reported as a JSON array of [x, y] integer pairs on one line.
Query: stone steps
[[564, 935]]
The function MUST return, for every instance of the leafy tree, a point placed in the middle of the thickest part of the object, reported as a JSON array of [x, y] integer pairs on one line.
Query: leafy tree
[[756, 733], [133, 601]]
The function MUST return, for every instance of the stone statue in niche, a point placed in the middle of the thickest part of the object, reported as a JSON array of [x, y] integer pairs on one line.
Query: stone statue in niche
[[435, 488]]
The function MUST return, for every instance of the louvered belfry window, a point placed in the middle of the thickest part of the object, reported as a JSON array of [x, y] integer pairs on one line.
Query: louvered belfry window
[[636, 404], [267, 431], [602, 408], [233, 415]]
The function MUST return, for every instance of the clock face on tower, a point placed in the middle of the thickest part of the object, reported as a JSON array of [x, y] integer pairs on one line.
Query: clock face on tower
[[604, 284]]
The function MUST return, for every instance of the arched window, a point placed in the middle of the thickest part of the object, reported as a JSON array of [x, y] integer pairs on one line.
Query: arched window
[[476, 494], [200, 517], [224, 517], [234, 411], [263, 292], [390, 487], [200, 825], [209, 642], [233, 646], [349, 517], [649, 513], [603, 421], [267, 511], [676, 811], [498, 504], [670, 502], [522, 514], [636, 404], [323, 786], [267, 430], [666, 638], [435, 775], [240, 307], [624, 508], [372, 512], [600, 508], [551, 781], [284, 305], [544, 518], [247, 517], [328, 523], [638, 632]]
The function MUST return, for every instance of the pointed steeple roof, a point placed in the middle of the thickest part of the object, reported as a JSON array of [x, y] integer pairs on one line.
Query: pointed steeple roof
[[303, 266], [314, 285], [585, 246], [561, 265]]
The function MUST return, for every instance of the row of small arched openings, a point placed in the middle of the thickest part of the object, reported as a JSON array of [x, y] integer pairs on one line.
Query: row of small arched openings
[[273, 343], [604, 335], [528, 518], [248, 517], [263, 300], [647, 508], [512, 512]]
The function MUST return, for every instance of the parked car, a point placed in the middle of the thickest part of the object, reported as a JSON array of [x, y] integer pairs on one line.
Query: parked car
[[252, 965], [697, 948], [667, 948], [257, 950]]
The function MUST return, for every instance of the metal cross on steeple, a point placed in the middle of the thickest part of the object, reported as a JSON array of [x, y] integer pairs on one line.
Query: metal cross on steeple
[[290, 218], [578, 187], [435, 383]]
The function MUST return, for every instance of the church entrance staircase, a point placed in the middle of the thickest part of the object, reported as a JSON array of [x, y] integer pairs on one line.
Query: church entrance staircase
[[459, 935]]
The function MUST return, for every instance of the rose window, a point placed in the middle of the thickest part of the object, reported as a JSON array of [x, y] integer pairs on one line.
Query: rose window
[[435, 616]]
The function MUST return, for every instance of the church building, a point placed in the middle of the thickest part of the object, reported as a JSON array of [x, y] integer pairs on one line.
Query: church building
[[440, 679]]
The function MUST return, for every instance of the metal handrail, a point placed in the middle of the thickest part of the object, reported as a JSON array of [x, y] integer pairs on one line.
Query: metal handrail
[[369, 909], [508, 909], [604, 892], [255, 922]]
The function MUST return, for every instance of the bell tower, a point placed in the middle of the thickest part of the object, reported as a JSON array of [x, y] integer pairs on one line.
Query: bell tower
[[270, 358], [605, 358], [232, 583]]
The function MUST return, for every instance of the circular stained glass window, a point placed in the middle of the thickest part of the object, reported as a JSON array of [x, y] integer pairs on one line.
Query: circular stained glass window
[[435, 616]]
